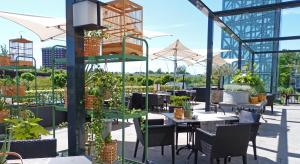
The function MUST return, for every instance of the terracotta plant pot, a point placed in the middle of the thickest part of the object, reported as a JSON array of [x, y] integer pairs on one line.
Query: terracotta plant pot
[[3, 114], [12, 90], [109, 152], [91, 46], [89, 100], [4, 60], [262, 97], [254, 100], [179, 113]]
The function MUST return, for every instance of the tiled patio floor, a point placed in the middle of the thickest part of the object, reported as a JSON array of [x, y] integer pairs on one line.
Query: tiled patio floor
[[278, 140]]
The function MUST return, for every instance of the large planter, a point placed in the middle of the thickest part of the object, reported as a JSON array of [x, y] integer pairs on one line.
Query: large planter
[[12, 90], [109, 152], [39, 148], [45, 113], [238, 97], [4, 60], [91, 46], [216, 96], [4, 113]]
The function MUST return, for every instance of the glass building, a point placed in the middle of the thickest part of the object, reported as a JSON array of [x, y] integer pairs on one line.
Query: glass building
[[254, 26], [58, 53]]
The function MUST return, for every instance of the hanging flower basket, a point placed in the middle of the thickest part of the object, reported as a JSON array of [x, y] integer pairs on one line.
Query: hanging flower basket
[[89, 100], [4, 60], [91, 46], [109, 152], [12, 90], [4, 113]]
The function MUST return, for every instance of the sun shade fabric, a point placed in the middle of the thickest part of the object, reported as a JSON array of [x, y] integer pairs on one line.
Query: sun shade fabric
[[176, 49], [44, 27]]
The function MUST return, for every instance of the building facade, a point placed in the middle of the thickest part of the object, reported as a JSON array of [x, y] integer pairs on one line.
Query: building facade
[[254, 26], [58, 53]]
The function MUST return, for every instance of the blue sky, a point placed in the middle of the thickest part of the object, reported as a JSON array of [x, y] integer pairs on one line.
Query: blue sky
[[176, 17]]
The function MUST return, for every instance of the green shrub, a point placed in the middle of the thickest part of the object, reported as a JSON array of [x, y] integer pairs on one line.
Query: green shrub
[[178, 100], [237, 88]]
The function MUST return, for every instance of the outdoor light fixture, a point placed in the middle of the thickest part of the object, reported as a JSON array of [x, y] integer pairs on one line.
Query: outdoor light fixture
[[86, 14]]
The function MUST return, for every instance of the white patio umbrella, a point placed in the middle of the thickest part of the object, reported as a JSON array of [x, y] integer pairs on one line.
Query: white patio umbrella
[[44, 27], [47, 28], [177, 52]]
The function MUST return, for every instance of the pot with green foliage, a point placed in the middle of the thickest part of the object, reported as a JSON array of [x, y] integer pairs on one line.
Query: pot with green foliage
[[253, 96], [177, 102], [285, 93], [236, 94], [4, 56], [109, 152], [188, 111], [106, 86], [9, 87], [4, 112], [92, 41]]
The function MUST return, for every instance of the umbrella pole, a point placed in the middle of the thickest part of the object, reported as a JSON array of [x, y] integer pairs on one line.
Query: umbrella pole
[[175, 68]]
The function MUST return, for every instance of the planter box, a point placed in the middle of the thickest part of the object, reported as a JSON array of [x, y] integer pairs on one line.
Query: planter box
[[235, 97], [109, 152], [89, 100], [45, 113], [91, 46], [40, 148], [254, 100], [12, 90], [116, 48], [4, 60], [22, 63]]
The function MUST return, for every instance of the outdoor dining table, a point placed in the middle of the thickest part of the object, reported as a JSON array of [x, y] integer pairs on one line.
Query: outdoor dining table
[[54, 160], [205, 120]]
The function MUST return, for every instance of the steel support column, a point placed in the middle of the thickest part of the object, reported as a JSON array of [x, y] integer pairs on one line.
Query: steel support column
[[252, 62], [75, 84], [210, 34], [240, 56]]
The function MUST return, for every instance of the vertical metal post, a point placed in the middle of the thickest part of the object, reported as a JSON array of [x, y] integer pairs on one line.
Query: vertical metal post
[[210, 34], [240, 56], [75, 84], [252, 62]]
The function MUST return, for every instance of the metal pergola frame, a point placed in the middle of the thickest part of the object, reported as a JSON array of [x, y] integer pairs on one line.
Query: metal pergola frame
[[215, 17]]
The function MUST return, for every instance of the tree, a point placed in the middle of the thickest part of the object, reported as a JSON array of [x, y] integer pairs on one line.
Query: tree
[[181, 70], [150, 82], [27, 78], [166, 78], [159, 71], [219, 71], [60, 79], [287, 61]]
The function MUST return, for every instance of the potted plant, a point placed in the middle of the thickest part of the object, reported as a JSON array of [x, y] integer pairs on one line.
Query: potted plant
[[27, 78], [236, 94], [92, 41], [4, 56], [188, 111], [26, 135], [253, 96], [109, 152], [285, 92], [4, 113], [176, 106], [9, 87], [260, 88]]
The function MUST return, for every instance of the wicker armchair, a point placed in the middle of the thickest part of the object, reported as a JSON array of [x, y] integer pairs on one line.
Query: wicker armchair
[[158, 135], [229, 140], [251, 118]]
